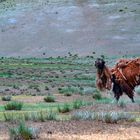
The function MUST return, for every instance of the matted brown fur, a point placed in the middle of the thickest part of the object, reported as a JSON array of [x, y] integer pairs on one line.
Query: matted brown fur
[[126, 73]]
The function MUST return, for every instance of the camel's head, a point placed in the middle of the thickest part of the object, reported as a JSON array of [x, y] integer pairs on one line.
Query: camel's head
[[99, 63]]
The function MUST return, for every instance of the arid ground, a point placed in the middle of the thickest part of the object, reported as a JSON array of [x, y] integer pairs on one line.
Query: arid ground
[[78, 111]]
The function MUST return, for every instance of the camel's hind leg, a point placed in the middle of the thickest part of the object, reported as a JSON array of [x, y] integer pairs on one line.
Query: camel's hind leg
[[131, 96], [128, 90]]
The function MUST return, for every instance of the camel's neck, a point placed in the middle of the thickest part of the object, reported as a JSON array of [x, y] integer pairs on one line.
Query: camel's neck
[[105, 76]]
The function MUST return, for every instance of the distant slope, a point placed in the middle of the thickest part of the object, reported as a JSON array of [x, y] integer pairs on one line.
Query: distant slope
[[43, 28]]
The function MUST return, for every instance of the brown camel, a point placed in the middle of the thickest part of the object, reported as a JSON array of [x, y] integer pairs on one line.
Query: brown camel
[[124, 76]]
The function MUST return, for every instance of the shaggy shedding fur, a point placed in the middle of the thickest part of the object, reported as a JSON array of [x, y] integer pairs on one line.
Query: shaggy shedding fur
[[103, 76], [125, 76]]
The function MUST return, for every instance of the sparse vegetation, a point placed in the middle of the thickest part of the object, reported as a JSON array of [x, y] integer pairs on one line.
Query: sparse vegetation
[[122, 104], [6, 98], [97, 95], [57, 94], [71, 79], [82, 115], [77, 104], [51, 115], [13, 105], [64, 109], [137, 90], [67, 94], [49, 99], [69, 90], [110, 117], [22, 132]]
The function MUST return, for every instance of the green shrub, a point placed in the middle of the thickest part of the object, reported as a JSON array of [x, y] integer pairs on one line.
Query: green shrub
[[77, 104], [63, 109], [69, 89], [51, 115], [107, 117], [41, 116], [14, 105], [67, 94], [15, 86], [113, 117], [97, 96], [46, 88], [49, 99], [6, 98], [33, 86], [21, 132], [9, 117], [88, 90], [122, 104], [82, 115]]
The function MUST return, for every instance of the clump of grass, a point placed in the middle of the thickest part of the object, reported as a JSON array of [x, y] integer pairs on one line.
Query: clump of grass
[[67, 94], [51, 115], [13, 105], [15, 86], [114, 117], [69, 89], [10, 117], [6, 98], [97, 95], [32, 116], [137, 90], [109, 117], [49, 99], [104, 100], [64, 109], [82, 115], [122, 104], [77, 104], [46, 88], [35, 87], [33, 94], [43, 116], [88, 90], [21, 132]]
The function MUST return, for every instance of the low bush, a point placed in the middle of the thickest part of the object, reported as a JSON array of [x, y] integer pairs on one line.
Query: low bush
[[82, 115], [97, 96], [77, 104], [6, 98], [67, 94], [43, 116], [51, 115], [21, 132], [64, 109], [14, 105], [69, 89], [109, 117], [46, 88], [122, 104], [49, 99]]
